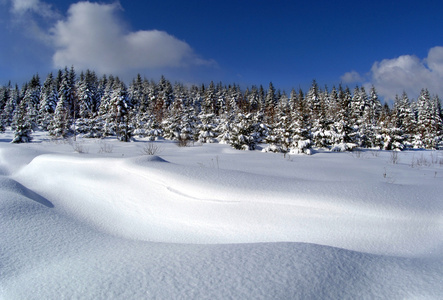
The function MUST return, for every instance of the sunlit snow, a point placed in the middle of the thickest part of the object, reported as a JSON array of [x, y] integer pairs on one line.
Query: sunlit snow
[[211, 222]]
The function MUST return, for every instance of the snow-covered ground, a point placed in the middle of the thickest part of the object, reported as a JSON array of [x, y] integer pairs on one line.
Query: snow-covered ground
[[211, 222]]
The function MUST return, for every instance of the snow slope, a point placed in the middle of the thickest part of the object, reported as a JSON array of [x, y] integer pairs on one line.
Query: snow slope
[[210, 222]]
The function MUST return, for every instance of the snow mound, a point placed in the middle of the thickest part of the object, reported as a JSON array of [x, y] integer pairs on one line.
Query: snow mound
[[147, 160], [12, 186], [145, 198], [209, 222]]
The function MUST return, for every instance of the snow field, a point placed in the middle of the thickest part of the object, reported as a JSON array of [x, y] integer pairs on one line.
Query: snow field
[[211, 222], [149, 199]]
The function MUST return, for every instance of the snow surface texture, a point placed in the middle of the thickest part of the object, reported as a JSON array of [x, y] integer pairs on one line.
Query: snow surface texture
[[211, 222]]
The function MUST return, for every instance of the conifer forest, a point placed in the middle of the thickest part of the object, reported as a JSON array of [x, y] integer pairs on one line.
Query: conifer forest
[[67, 104]]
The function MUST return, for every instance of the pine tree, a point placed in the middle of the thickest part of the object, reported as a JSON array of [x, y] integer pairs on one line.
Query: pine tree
[[136, 93], [207, 128], [10, 106], [404, 118], [66, 106], [243, 135], [59, 126], [188, 124], [31, 95], [428, 121], [87, 95], [371, 117], [357, 106], [164, 98], [221, 95], [210, 100], [23, 126], [301, 141], [234, 96], [48, 102], [4, 97], [341, 136], [316, 100], [119, 113], [270, 104], [153, 130], [279, 135], [171, 127]]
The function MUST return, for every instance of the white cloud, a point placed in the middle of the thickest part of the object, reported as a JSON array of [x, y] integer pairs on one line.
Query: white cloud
[[93, 37], [408, 73], [435, 60], [32, 18], [350, 77], [21, 7]]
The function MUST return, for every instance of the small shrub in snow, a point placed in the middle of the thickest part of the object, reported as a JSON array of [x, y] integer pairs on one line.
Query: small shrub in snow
[[375, 152], [422, 161], [79, 147], [435, 159], [151, 149], [393, 158], [182, 141], [357, 153], [105, 147]]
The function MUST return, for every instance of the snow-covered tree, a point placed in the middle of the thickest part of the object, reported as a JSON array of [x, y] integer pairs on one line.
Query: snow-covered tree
[[10, 106], [210, 100], [341, 131], [371, 117], [243, 134], [136, 94], [48, 102], [301, 140], [429, 122], [105, 109], [207, 128], [23, 126], [87, 94], [270, 104], [316, 101], [119, 115], [403, 118], [59, 126], [164, 98]]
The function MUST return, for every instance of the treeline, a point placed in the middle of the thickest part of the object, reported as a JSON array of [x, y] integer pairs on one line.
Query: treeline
[[337, 119]]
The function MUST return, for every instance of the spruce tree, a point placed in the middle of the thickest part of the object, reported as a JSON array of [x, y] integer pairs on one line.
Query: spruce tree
[[301, 140], [428, 121], [207, 128], [404, 118], [4, 97], [59, 126], [270, 104], [48, 102], [243, 135], [23, 126], [341, 138]]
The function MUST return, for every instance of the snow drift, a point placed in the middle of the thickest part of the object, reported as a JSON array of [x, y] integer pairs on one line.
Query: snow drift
[[212, 222]]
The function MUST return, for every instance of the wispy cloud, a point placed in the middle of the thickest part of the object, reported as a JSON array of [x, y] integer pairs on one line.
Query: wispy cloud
[[20, 7], [406, 73], [351, 77], [32, 17]]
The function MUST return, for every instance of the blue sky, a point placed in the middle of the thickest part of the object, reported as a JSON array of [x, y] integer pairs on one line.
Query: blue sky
[[395, 45]]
